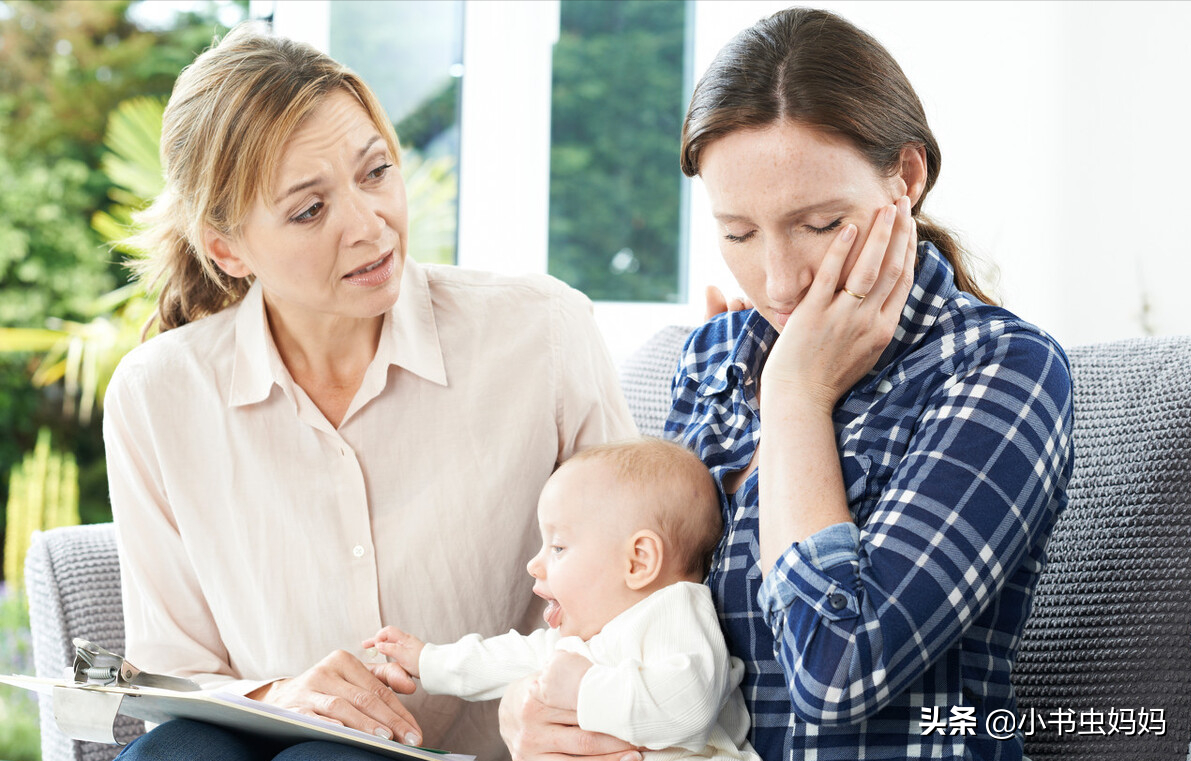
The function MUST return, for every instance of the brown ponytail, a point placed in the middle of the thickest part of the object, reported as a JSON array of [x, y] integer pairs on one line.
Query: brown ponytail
[[815, 68]]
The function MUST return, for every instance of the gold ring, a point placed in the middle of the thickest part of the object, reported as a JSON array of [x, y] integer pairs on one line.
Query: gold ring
[[855, 295]]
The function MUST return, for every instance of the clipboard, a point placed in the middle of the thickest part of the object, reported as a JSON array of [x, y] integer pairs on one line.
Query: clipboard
[[87, 710]]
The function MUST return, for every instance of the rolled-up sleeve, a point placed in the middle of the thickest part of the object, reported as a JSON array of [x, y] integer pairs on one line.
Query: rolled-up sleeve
[[823, 571]]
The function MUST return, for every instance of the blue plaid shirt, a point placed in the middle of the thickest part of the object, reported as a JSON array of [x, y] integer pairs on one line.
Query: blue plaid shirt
[[892, 637]]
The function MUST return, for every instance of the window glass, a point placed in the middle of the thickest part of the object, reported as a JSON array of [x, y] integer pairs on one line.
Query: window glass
[[616, 193], [410, 52]]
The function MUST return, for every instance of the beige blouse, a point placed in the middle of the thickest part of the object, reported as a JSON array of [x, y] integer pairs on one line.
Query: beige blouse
[[255, 538]]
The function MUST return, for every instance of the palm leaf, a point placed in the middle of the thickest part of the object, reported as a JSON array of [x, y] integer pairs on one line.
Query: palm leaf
[[133, 139], [28, 339]]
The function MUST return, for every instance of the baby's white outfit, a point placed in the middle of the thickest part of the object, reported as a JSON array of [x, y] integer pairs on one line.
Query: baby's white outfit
[[661, 677]]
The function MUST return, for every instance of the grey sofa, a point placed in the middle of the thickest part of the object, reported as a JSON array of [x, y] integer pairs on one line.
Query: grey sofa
[[1108, 644]]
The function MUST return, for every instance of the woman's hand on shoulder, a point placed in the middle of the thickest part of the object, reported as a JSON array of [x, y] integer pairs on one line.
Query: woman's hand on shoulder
[[837, 332], [343, 690], [717, 303], [535, 731]]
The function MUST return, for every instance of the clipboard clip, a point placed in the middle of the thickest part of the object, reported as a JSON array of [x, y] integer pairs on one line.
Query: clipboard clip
[[98, 667]]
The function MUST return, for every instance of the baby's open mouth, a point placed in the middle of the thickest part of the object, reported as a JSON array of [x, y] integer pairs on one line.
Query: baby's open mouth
[[553, 613]]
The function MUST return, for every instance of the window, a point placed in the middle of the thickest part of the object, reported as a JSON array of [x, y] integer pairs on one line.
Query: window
[[410, 53], [566, 121], [616, 111]]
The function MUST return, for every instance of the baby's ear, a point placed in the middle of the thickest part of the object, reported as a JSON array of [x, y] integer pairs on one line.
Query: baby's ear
[[646, 554]]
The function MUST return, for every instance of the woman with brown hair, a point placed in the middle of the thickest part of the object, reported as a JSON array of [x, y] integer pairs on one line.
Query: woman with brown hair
[[327, 436], [882, 545]]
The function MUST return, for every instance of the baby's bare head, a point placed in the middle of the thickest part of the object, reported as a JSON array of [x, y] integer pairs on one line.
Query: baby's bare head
[[662, 486]]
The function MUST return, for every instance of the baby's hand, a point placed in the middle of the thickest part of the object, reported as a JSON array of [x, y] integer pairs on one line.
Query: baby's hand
[[404, 649], [558, 683]]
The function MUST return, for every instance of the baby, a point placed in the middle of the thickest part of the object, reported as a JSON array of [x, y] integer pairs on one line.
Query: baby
[[634, 645]]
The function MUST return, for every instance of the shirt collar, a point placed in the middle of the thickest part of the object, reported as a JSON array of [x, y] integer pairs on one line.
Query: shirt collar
[[754, 337], [409, 339], [934, 286], [257, 364]]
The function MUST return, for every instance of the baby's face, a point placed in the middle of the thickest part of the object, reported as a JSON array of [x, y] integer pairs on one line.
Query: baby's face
[[580, 570]]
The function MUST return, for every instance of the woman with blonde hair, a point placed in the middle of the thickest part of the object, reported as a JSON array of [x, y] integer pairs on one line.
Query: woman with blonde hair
[[326, 436], [891, 449]]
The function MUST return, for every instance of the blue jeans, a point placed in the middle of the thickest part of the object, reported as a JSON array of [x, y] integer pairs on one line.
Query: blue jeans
[[186, 740]]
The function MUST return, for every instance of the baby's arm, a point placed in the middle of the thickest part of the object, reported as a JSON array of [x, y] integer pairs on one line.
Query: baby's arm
[[474, 668], [405, 649]]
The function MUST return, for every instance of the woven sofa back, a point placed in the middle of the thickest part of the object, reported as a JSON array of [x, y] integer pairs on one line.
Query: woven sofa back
[[1111, 625]]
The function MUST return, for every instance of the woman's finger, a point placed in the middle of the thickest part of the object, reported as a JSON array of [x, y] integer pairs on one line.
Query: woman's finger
[[573, 741], [363, 710], [893, 263], [901, 291], [562, 734], [715, 302], [376, 699], [827, 277], [394, 675], [861, 279], [313, 715]]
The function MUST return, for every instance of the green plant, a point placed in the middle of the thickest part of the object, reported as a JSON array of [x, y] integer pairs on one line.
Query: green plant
[[132, 164], [43, 493], [615, 116], [64, 67], [20, 732], [83, 354], [431, 187]]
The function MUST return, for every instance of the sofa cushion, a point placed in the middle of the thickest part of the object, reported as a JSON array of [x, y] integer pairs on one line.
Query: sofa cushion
[[1111, 624]]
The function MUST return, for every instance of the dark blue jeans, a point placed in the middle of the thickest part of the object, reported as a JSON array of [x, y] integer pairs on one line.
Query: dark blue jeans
[[186, 740]]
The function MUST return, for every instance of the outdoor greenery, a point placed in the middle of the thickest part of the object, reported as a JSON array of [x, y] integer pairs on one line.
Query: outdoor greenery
[[42, 494], [64, 67], [615, 188], [20, 733]]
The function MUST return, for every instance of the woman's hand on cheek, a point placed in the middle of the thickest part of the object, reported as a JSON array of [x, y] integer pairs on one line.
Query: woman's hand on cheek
[[341, 689], [838, 331], [535, 731]]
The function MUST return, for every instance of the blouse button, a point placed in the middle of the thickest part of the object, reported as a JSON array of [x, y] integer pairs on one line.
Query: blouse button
[[838, 600], [358, 551]]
